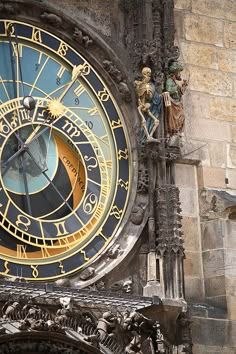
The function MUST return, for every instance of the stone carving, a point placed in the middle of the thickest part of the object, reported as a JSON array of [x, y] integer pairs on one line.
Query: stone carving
[[175, 87], [87, 273], [51, 19], [137, 214], [82, 38], [115, 251], [116, 75], [8, 9], [143, 180], [127, 286], [149, 104], [106, 325], [10, 309]]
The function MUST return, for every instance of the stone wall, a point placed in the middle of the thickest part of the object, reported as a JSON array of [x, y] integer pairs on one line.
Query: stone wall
[[206, 35]]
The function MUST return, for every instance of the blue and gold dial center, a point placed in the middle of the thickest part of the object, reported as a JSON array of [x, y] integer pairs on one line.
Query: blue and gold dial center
[[65, 157]]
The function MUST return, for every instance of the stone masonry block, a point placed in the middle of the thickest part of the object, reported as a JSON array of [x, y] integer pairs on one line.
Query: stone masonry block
[[223, 108], [213, 263], [192, 264], [198, 54], [213, 177], [231, 307], [189, 203], [232, 156], [183, 4], [185, 175], [191, 230], [211, 81], [227, 60], [225, 9], [196, 104], [232, 178], [212, 237], [207, 129], [229, 234], [233, 130], [230, 262], [204, 29], [217, 154], [230, 35], [210, 332], [215, 286], [193, 289], [230, 285]]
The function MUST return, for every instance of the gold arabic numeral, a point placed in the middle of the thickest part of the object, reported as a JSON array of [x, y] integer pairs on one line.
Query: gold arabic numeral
[[103, 95], [90, 203], [45, 252], [123, 184], [21, 251], [35, 272], [36, 35], [24, 221], [93, 111], [4, 128], [9, 28], [71, 129], [123, 154], [93, 163], [61, 229], [61, 266], [89, 124], [17, 50], [116, 212], [62, 50]]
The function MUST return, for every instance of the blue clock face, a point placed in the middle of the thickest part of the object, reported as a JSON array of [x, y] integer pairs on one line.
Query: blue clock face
[[65, 157]]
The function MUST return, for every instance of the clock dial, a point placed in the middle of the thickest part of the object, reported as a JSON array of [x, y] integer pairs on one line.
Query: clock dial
[[65, 160]]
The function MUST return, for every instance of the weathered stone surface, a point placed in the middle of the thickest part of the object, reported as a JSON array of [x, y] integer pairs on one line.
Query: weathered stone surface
[[197, 151], [230, 284], [203, 349], [230, 35], [217, 154], [183, 4], [213, 263], [191, 229], [185, 175], [204, 29], [210, 332], [196, 104], [233, 130], [206, 129], [230, 262], [223, 108], [231, 307], [229, 235], [227, 60], [215, 286], [213, 177], [192, 264], [225, 9], [179, 25], [232, 178], [193, 289], [232, 156], [211, 81], [198, 54], [212, 237], [188, 198]]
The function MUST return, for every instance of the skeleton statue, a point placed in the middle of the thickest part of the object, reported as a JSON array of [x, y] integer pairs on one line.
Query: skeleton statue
[[149, 104]]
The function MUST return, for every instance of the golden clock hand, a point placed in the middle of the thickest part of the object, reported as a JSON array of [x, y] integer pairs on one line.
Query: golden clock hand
[[77, 71]]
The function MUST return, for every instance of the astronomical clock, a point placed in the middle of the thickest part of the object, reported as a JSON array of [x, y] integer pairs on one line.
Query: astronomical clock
[[66, 161]]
